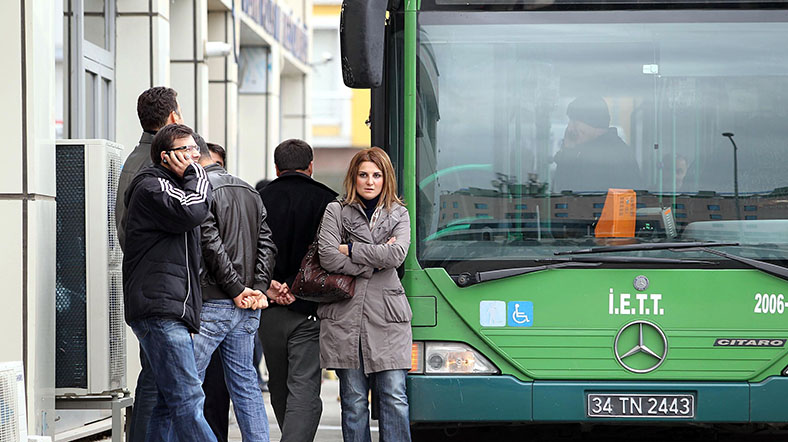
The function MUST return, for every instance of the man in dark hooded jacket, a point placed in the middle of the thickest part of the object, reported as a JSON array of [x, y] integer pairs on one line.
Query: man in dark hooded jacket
[[161, 278], [593, 157], [156, 108]]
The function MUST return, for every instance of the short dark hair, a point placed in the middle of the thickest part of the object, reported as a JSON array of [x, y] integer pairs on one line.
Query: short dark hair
[[218, 150], [165, 138], [293, 154], [591, 110], [202, 144], [154, 107]]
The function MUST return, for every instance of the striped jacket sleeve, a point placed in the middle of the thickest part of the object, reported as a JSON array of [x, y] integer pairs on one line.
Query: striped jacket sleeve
[[176, 209]]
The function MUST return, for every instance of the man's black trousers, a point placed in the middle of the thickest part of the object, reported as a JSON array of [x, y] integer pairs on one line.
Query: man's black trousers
[[292, 355]]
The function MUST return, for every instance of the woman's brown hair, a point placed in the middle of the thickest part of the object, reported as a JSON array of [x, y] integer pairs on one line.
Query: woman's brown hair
[[376, 155]]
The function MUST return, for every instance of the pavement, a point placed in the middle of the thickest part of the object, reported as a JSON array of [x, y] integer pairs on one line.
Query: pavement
[[330, 429]]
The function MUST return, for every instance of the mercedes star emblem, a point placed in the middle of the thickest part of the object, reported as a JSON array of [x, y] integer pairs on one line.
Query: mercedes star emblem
[[635, 341], [640, 283]]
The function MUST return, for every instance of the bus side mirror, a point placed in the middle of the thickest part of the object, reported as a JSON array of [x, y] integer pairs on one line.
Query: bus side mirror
[[361, 32]]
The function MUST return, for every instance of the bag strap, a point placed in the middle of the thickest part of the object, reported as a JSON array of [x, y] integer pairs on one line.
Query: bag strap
[[341, 226]]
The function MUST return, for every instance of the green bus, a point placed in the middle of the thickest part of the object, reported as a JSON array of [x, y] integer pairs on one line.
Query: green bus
[[555, 278]]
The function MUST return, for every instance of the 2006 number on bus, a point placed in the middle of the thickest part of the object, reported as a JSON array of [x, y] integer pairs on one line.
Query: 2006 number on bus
[[765, 303], [641, 405]]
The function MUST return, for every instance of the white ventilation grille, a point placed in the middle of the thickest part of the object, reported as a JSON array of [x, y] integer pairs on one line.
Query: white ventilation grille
[[13, 425], [117, 326]]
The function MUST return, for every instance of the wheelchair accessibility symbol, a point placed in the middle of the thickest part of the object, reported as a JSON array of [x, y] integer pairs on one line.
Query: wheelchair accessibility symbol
[[520, 314]]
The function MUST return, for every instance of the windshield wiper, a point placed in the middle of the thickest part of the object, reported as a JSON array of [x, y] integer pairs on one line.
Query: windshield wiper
[[647, 246], [772, 269], [466, 278]]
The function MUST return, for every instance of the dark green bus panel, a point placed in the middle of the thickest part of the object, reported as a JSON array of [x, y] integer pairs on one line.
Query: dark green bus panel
[[554, 277]]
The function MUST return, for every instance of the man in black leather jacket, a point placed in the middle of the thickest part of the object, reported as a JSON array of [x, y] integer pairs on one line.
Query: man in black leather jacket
[[239, 254]]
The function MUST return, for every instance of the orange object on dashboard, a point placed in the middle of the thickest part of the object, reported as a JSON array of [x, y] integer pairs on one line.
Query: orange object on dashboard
[[618, 215]]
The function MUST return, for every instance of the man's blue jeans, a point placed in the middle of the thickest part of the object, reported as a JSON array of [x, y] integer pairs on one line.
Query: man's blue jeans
[[170, 351], [390, 387], [145, 397], [231, 330]]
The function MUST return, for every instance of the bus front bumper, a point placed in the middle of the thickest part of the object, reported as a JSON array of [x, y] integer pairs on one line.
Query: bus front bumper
[[507, 399]]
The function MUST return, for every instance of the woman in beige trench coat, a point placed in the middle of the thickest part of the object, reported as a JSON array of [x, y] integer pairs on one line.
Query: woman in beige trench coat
[[367, 338]]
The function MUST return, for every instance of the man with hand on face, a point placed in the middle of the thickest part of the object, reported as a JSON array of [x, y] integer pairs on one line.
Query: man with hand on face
[[166, 204], [156, 108], [239, 255], [593, 157]]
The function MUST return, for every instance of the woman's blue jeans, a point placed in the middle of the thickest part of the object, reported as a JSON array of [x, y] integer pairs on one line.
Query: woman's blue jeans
[[389, 385]]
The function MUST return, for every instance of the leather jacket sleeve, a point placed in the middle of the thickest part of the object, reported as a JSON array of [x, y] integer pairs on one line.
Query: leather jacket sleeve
[[266, 256], [217, 262]]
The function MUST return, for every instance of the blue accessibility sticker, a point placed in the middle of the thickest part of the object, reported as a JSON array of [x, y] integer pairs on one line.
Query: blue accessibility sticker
[[492, 313], [520, 314]]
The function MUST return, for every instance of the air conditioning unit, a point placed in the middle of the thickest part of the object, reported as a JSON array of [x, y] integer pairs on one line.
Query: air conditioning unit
[[90, 348], [13, 421]]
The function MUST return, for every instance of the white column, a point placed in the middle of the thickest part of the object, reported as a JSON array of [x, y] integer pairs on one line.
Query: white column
[[142, 61], [274, 116], [223, 88], [189, 71], [27, 191]]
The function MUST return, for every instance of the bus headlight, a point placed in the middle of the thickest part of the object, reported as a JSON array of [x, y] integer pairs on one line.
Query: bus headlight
[[453, 358]]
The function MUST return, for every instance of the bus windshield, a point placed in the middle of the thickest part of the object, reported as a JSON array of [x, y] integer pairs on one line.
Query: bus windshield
[[540, 131]]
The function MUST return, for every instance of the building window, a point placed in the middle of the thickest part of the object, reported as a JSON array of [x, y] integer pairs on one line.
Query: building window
[[562, 206], [456, 215], [678, 206], [715, 216], [680, 215], [599, 205], [443, 205], [443, 216], [520, 206], [482, 215], [597, 214], [750, 208], [713, 207], [88, 83], [454, 205], [561, 215], [480, 205], [640, 205], [520, 215], [749, 217]]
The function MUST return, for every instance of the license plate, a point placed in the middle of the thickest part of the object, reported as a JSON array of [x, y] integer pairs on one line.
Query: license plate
[[634, 405]]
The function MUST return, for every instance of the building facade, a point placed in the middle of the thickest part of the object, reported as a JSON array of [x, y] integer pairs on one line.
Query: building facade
[[74, 70]]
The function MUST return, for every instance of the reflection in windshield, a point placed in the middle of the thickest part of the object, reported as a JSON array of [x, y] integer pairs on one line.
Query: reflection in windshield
[[539, 136]]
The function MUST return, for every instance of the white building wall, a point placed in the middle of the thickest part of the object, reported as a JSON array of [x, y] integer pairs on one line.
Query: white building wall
[[143, 53], [27, 191]]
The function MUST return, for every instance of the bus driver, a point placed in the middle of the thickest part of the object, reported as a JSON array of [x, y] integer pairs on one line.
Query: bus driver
[[593, 157]]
